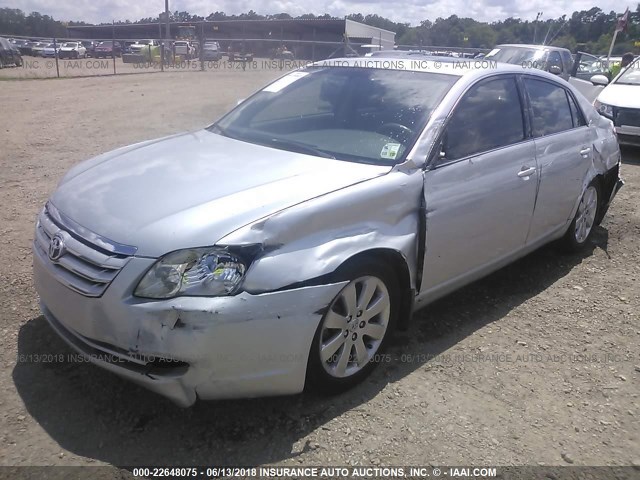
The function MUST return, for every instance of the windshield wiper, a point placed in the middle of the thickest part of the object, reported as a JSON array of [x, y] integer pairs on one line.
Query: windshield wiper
[[299, 147]]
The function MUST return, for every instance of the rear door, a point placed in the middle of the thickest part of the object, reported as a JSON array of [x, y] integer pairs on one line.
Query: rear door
[[563, 153], [480, 192]]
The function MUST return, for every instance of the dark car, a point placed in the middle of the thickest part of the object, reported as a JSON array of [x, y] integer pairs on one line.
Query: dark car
[[108, 49], [211, 51], [239, 53], [90, 46], [9, 55], [23, 46]]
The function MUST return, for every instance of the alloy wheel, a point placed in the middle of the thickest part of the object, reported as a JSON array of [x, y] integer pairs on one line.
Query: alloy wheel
[[586, 215], [354, 326]]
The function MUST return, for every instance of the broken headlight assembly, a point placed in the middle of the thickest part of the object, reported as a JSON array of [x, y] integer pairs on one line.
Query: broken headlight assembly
[[208, 272]]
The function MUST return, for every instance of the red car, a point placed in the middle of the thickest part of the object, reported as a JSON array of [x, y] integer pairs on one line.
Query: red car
[[108, 49]]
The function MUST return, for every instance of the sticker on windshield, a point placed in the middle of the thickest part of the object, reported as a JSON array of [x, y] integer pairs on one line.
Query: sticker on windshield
[[492, 52], [390, 151], [284, 82]]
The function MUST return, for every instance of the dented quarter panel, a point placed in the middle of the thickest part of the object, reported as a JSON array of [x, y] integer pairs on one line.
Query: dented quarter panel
[[605, 151], [313, 239]]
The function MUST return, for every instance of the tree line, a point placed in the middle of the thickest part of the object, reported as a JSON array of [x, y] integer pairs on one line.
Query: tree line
[[588, 30]]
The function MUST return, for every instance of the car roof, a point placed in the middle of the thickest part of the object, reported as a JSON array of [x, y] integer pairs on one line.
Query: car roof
[[536, 47], [444, 65]]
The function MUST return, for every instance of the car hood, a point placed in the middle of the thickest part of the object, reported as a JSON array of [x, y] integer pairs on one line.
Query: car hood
[[626, 96], [193, 189]]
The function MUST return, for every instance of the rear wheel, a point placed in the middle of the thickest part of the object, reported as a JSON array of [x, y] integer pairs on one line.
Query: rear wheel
[[354, 329], [581, 228]]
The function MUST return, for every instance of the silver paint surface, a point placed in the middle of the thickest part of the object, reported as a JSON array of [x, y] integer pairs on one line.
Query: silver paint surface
[[309, 216]]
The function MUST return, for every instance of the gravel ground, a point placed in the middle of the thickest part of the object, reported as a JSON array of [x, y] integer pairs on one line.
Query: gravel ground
[[537, 364]]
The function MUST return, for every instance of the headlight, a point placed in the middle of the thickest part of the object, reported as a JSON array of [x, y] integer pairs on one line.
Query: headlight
[[209, 271], [604, 109]]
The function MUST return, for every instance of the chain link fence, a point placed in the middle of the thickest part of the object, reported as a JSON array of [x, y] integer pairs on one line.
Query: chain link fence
[[73, 57]]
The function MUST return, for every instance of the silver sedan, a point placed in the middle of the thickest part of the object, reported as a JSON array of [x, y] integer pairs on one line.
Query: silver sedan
[[279, 248]]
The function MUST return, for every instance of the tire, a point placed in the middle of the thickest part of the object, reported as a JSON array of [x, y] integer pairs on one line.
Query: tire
[[581, 228], [343, 353]]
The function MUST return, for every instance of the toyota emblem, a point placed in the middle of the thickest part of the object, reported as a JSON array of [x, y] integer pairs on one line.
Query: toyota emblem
[[56, 247]]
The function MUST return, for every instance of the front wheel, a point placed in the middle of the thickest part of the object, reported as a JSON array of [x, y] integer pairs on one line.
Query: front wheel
[[581, 228], [354, 329]]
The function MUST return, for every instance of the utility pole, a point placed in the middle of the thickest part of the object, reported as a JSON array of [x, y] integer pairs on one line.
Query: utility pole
[[166, 14]]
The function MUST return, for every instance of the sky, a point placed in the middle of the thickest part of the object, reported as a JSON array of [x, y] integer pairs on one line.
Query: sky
[[408, 11]]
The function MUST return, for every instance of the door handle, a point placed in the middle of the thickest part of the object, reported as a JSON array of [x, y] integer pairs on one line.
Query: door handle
[[585, 151], [526, 171]]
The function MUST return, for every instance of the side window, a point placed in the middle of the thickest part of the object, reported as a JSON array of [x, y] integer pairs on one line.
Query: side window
[[554, 60], [549, 107], [576, 113], [567, 59], [488, 116]]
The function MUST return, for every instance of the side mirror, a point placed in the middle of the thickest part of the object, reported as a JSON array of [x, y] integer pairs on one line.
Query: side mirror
[[555, 69], [599, 80]]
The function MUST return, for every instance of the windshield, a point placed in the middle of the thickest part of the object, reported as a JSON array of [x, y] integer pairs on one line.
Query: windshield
[[70, 45], [528, 57], [354, 114], [631, 75]]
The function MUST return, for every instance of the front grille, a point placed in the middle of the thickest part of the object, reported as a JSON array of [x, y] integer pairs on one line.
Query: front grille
[[83, 267], [628, 116]]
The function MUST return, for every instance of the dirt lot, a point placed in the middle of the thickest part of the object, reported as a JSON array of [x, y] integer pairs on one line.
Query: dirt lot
[[537, 364]]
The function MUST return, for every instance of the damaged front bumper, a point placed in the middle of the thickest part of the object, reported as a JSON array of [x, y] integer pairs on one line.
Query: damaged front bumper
[[189, 347]]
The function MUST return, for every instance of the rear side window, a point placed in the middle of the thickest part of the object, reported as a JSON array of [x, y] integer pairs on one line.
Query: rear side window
[[489, 116], [549, 107], [578, 117]]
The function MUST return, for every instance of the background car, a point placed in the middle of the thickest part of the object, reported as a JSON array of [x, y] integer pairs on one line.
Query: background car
[[620, 103], [184, 48], [238, 52], [51, 50], [140, 45], [211, 51], [89, 46], [22, 45], [554, 60], [587, 65], [9, 55], [72, 50], [37, 48], [107, 49]]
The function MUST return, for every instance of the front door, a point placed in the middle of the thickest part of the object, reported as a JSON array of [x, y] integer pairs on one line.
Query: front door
[[481, 191]]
